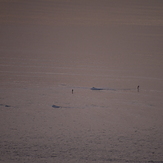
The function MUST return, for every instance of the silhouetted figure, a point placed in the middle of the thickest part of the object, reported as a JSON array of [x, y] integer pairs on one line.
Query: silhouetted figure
[[138, 88], [72, 91]]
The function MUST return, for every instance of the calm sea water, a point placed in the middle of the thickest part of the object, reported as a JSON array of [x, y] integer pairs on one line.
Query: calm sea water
[[114, 124]]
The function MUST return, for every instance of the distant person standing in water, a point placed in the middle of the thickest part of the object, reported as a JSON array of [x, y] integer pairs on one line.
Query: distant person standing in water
[[138, 88], [72, 91]]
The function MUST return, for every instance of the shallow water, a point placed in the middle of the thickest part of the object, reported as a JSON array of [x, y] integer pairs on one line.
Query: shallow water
[[113, 124]]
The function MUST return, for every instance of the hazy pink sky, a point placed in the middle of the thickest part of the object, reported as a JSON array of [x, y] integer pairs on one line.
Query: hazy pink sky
[[82, 12], [82, 27]]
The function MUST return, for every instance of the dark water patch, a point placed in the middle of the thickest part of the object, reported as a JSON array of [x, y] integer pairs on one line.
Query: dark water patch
[[56, 106], [98, 89], [110, 89], [94, 88], [65, 107], [5, 105]]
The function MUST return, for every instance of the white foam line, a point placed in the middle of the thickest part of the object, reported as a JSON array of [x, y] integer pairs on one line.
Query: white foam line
[[38, 66], [140, 77], [47, 73], [45, 65], [23, 59], [58, 67], [78, 74]]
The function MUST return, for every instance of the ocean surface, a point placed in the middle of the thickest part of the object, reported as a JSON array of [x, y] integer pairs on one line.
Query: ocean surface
[[42, 121], [81, 81]]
